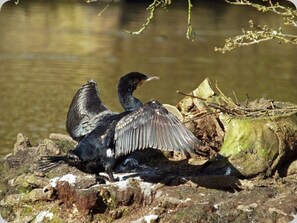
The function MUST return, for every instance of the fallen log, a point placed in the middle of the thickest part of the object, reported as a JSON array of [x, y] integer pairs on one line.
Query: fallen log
[[256, 137]]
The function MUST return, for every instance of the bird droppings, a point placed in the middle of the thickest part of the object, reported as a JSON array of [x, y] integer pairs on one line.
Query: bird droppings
[[122, 185], [53, 181], [147, 219], [150, 218], [294, 220], [2, 220], [42, 216], [70, 178], [147, 190], [146, 187], [119, 176], [188, 199]]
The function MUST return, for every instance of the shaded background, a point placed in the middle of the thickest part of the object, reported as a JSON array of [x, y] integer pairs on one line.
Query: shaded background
[[48, 49]]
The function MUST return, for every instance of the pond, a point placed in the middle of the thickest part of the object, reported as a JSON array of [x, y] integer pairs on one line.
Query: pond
[[48, 49]]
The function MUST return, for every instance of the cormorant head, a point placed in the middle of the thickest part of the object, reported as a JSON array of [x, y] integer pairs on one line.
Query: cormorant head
[[132, 80], [127, 85]]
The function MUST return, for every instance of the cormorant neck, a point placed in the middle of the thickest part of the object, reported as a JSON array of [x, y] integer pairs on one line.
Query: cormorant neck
[[127, 100]]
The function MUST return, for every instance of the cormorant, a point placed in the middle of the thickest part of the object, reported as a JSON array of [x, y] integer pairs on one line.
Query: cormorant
[[87, 111], [113, 135]]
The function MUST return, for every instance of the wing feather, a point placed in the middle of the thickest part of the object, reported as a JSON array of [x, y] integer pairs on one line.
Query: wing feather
[[152, 126], [85, 111]]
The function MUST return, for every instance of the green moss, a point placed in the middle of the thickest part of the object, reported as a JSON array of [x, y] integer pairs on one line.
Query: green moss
[[55, 209], [256, 145], [51, 174], [7, 212], [125, 210], [23, 190], [26, 211], [5, 171], [3, 189], [103, 218], [189, 214], [109, 197], [65, 145], [55, 219]]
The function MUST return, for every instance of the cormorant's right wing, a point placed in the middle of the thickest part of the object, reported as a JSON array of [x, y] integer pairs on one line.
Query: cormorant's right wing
[[152, 126], [85, 111]]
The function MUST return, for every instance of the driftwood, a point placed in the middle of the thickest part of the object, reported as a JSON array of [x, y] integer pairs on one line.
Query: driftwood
[[254, 137]]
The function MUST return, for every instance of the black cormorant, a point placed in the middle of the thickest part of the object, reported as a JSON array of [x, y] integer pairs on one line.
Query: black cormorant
[[87, 111], [117, 134]]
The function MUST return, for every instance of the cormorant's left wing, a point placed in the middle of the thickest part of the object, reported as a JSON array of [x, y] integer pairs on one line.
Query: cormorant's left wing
[[85, 111], [152, 126]]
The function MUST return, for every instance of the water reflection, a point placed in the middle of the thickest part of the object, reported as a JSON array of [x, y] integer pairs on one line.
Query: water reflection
[[48, 49]]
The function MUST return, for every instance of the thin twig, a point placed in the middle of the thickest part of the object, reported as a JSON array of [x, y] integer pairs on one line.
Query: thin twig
[[224, 96], [152, 7], [103, 10], [190, 34], [247, 100], [190, 95], [90, 1], [236, 99], [200, 116]]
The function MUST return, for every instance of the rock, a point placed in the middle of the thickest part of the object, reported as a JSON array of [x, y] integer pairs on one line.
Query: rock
[[52, 147], [65, 143], [35, 195], [60, 137], [21, 144]]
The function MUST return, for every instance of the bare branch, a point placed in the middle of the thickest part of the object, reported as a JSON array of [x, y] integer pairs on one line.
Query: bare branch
[[190, 34], [152, 7], [261, 33], [90, 1], [103, 10]]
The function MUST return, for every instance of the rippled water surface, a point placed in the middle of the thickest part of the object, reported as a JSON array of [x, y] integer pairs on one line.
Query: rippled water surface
[[48, 49]]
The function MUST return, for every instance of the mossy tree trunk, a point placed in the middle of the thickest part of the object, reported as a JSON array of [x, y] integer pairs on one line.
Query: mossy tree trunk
[[249, 138]]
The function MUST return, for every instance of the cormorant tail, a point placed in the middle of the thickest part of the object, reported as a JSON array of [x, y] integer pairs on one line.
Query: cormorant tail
[[46, 163]]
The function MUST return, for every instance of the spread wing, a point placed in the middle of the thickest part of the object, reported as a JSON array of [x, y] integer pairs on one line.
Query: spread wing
[[152, 126], [85, 111]]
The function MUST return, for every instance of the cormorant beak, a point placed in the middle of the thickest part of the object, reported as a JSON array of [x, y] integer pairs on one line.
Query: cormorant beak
[[152, 78], [148, 79]]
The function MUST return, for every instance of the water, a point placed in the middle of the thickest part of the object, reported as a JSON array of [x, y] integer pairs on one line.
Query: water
[[48, 49]]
